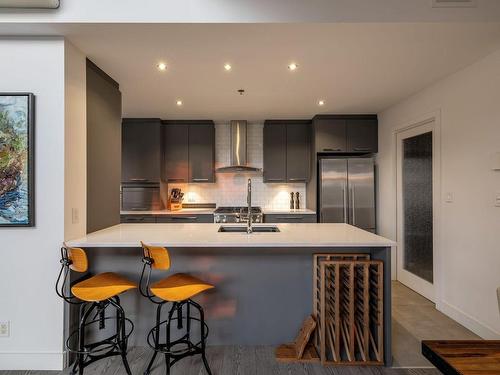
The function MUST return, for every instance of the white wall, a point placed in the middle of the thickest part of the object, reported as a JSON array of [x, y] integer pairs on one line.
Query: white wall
[[231, 189], [30, 258], [55, 73], [75, 139], [470, 226]]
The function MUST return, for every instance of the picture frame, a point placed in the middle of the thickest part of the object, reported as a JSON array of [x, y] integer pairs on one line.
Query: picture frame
[[17, 159]]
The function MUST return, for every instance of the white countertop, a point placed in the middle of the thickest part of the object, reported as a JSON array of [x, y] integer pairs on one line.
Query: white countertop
[[207, 235]]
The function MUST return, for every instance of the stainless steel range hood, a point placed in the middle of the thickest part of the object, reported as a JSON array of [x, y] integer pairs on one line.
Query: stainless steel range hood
[[238, 150]]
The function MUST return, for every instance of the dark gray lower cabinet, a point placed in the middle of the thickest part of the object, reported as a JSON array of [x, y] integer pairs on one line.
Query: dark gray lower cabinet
[[181, 218], [185, 218], [137, 219], [289, 218]]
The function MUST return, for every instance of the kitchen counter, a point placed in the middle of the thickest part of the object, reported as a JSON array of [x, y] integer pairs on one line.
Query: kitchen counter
[[207, 235], [263, 281]]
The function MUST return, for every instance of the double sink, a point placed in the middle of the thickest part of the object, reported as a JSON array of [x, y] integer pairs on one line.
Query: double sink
[[243, 229]]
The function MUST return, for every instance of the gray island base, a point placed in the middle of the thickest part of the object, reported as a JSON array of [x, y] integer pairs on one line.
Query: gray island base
[[263, 285]]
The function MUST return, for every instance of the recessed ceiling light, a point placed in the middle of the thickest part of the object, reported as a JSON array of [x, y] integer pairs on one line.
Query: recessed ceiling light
[[162, 66], [179, 103], [321, 103], [292, 67], [228, 67]]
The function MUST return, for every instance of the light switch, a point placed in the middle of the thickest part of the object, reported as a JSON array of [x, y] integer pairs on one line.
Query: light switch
[[497, 200], [449, 197], [4, 329]]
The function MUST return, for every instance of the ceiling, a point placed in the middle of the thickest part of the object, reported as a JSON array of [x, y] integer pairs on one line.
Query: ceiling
[[354, 68]]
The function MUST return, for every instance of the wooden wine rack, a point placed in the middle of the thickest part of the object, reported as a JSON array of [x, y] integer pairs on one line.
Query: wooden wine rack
[[348, 308]]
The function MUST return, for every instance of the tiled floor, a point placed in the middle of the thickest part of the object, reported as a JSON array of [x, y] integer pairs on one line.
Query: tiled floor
[[414, 319]]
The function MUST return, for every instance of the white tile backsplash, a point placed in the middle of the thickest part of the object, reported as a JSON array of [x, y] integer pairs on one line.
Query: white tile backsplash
[[230, 189]]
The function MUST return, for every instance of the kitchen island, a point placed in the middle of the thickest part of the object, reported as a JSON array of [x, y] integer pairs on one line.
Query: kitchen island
[[263, 281]]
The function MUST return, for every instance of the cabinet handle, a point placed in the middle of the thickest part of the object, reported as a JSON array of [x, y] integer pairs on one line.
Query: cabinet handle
[[176, 179], [362, 148], [290, 218], [297, 179], [139, 179], [138, 209], [184, 218], [200, 179], [332, 149], [275, 179]]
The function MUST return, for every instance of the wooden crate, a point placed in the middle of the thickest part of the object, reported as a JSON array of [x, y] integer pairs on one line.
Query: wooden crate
[[348, 307]]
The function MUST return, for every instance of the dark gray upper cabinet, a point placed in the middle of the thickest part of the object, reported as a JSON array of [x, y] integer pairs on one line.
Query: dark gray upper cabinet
[[286, 150], [274, 152], [202, 152], [345, 133], [362, 134], [141, 150], [298, 152], [329, 135], [175, 152], [188, 151]]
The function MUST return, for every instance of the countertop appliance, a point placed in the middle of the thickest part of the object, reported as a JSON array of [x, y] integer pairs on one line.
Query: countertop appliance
[[346, 188], [237, 214]]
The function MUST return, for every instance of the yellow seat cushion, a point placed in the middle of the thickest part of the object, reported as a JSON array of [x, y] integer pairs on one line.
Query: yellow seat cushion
[[179, 287], [101, 287]]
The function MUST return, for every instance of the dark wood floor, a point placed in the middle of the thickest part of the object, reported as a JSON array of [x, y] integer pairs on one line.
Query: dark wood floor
[[227, 360]]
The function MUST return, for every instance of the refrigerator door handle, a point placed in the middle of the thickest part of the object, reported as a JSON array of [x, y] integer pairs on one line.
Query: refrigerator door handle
[[344, 193], [353, 206]]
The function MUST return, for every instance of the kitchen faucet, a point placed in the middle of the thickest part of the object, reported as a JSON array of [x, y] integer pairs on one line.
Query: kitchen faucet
[[249, 202]]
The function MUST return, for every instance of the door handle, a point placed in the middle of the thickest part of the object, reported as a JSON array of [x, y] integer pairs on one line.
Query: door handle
[[353, 208], [344, 196]]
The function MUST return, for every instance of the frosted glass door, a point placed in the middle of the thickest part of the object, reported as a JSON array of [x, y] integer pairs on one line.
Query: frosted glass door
[[416, 177], [417, 205]]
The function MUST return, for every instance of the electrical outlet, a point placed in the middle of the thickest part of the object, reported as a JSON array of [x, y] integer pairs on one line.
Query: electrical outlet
[[4, 329], [75, 217], [449, 197]]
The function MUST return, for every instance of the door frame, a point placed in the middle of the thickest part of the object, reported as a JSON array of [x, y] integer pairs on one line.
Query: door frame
[[424, 120]]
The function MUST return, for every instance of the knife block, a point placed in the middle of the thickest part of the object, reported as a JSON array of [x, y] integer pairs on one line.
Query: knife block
[[174, 206]]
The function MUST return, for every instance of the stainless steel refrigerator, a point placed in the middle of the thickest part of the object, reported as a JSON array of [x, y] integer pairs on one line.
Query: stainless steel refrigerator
[[347, 192]]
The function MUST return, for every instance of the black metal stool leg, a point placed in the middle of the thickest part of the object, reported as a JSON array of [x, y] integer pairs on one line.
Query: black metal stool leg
[[120, 332], [203, 343], [81, 335], [175, 307], [157, 338]]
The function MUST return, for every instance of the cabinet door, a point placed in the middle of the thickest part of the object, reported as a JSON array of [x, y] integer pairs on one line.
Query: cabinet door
[[201, 153], [289, 218], [274, 152], [141, 150], [297, 152], [362, 135], [175, 152], [185, 218], [330, 135]]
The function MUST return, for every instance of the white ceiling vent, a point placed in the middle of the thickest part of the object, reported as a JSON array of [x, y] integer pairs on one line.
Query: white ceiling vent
[[454, 3], [30, 4]]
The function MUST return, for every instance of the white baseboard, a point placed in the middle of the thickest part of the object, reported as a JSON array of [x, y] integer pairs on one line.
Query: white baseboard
[[31, 361], [480, 329]]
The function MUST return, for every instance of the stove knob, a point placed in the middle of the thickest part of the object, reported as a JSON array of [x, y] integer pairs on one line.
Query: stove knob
[[224, 219], [217, 219], [237, 220]]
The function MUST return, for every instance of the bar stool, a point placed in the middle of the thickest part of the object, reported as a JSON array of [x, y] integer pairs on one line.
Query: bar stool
[[94, 295], [177, 289]]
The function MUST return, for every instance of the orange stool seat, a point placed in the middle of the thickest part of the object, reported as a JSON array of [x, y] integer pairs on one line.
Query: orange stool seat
[[179, 287], [101, 287]]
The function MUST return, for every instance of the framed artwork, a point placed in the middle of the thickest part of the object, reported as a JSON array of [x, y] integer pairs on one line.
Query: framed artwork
[[17, 123]]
